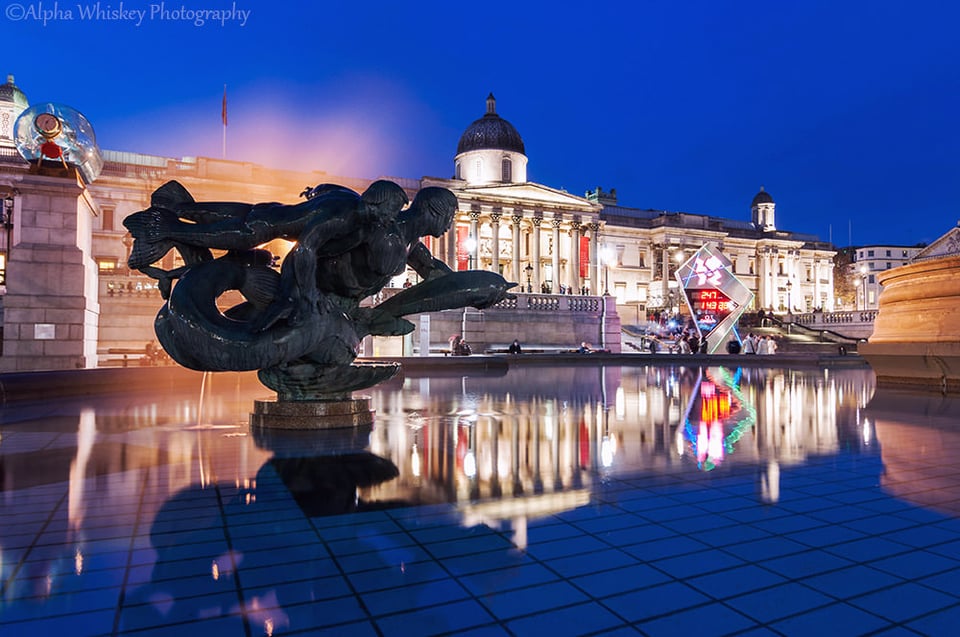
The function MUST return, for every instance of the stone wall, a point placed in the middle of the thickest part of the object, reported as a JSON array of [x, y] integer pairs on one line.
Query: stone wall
[[538, 321], [916, 336]]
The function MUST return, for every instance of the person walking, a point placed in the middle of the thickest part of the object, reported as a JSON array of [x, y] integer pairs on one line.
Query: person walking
[[762, 346]]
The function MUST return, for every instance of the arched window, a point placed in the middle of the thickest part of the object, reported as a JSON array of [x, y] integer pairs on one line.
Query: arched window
[[506, 170], [459, 174]]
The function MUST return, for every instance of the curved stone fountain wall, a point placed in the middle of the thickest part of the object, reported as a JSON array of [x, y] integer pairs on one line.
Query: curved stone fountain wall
[[916, 336]]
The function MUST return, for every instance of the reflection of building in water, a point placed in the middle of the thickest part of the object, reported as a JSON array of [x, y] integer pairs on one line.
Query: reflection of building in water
[[541, 430], [494, 440]]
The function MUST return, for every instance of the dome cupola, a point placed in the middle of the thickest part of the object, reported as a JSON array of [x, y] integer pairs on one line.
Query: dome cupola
[[491, 150], [12, 103], [763, 211]]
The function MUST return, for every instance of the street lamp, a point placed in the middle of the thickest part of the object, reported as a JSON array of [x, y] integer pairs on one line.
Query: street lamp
[[863, 284], [470, 244], [529, 271], [789, 297], [606, 257], [8, 230]]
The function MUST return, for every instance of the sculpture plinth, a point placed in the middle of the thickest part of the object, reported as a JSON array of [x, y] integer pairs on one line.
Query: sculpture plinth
[[312, 414], [300, 327]]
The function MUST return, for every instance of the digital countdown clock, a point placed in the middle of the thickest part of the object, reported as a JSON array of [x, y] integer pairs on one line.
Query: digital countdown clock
[[709, 308], [715, 296]]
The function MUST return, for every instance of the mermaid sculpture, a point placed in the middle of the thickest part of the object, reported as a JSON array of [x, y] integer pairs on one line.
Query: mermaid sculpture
[[301, 326]]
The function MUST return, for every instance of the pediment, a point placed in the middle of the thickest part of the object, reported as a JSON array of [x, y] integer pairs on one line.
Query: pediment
[[946, 246], [529, 195]]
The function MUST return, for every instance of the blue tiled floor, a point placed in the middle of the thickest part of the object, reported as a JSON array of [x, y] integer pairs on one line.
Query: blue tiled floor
[[210, 564], [664, 553]]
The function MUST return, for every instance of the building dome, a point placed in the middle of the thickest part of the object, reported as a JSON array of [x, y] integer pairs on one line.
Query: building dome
[[491, 132], [10, 94], [761, 197]]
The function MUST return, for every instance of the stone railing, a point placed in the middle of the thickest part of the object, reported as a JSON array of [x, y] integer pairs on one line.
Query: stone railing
[[856, 324], [123, 282], [826, 319], [551, 303]]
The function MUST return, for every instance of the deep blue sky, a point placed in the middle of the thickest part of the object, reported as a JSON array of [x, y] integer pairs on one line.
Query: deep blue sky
[[846, 112]]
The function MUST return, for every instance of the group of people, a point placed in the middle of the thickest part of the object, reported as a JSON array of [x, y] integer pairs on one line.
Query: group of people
[[688, 342], [762, 345]]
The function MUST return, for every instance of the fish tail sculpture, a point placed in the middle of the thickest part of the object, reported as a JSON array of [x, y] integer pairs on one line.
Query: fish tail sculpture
[[196, 334]]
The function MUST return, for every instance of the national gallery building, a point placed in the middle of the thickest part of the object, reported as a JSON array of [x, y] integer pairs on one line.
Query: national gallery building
[[549, 241]]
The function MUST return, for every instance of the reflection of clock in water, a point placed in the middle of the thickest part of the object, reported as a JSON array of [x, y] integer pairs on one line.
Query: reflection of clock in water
[[48, 125]]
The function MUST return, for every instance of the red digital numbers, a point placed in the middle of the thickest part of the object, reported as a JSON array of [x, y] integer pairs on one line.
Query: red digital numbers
[[709, 301]]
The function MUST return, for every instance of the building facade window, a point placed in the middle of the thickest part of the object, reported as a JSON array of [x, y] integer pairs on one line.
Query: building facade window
[[107, 214], [506, 170]]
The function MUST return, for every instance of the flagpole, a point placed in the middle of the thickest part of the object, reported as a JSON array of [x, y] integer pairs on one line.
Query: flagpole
[[223, 117]]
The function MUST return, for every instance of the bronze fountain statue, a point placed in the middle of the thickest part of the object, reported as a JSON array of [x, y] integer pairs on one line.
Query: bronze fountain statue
[[299, 327]]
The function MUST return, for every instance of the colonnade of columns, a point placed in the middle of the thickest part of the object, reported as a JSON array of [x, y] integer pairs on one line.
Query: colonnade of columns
[[539, 262]]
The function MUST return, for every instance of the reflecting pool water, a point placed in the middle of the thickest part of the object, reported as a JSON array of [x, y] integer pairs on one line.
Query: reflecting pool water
[[548, 430], [531, 437], [610, 497]]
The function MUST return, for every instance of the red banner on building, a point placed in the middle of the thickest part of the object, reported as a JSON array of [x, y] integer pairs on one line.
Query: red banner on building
[[463, 257], [584, 257]]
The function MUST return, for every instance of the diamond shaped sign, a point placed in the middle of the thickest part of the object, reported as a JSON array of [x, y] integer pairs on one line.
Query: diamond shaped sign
[[714, 295]]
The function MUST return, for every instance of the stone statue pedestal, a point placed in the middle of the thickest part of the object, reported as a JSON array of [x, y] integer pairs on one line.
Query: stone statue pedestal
[[312, 414]]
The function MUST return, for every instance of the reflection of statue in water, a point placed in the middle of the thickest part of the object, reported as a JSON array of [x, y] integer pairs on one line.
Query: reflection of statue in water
[[301, 327]]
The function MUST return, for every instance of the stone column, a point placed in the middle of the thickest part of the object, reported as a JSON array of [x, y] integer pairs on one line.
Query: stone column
[[495, 240], [475, 235], [595, 258], [575, 255], [536, 252], [665, 268], [517, 274], [555, 222], [451, 251]]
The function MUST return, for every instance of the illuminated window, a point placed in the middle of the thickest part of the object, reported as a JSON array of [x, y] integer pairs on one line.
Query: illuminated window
[[106, 264]]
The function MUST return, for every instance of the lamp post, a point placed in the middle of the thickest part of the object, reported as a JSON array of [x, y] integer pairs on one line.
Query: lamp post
[[606, 257], [863, 284], [789, 298], [8, 231], [529, 271], [470, 244]]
